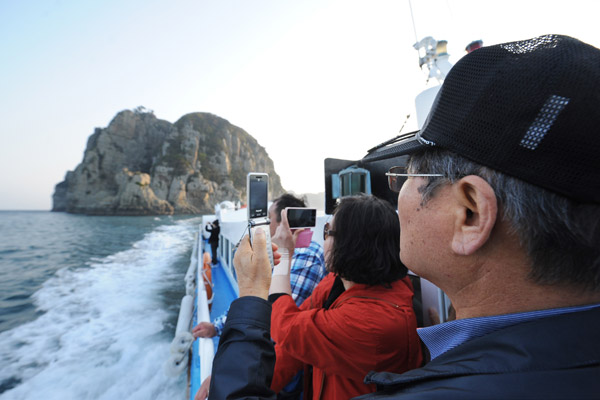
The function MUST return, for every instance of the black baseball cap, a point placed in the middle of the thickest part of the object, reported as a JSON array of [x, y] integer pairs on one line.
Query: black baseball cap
[[529, 109]]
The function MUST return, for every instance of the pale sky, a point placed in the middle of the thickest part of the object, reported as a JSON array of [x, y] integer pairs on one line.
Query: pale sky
[[308, 79]]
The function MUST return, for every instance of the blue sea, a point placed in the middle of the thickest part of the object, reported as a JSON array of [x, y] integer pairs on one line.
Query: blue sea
[[89, 304]]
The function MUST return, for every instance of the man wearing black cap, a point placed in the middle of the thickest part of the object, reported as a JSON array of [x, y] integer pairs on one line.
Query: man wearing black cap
[[499, 206]]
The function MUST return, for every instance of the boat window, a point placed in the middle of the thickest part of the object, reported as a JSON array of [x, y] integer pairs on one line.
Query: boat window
[[353, 181], [228, 252]]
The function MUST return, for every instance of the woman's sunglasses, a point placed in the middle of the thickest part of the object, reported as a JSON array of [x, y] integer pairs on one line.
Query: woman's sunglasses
[[327, 232]]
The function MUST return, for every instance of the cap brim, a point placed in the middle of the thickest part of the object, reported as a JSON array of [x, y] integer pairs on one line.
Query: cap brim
[[399, 146]]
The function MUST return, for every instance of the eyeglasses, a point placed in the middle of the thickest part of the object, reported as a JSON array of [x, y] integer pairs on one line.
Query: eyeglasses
[[395, 173], [327, 232]]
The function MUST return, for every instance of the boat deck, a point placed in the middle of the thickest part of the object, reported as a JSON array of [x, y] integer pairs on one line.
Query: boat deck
[[224, 294]]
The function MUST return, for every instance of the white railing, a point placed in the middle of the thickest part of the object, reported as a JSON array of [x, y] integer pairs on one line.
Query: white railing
[[181, 345], [178, 361], [206, 350]]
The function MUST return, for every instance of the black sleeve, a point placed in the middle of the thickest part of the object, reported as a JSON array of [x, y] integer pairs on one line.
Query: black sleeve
[[273, 297], [244, 363]]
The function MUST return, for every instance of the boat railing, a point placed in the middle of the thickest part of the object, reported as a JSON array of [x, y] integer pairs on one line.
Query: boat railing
[[193, 304], [206, 350]]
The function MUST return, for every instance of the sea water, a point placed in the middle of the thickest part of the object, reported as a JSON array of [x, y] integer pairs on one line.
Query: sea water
[[89, 304]]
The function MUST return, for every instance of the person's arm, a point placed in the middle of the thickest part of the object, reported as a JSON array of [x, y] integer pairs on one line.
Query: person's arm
[[219, 323], [243, 365], [208, 330], [280, 281], [202, 393], [204, 329], [286, 367], [286, 241]]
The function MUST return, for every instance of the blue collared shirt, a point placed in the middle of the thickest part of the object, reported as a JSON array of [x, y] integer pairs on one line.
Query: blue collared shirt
[[308, 268], [443, 337]]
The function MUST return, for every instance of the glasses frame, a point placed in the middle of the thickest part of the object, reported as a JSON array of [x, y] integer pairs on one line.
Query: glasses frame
[[392, 175], [327, 232]]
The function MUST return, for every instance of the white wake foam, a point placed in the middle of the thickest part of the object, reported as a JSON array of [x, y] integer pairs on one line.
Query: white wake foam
[[104, 333]]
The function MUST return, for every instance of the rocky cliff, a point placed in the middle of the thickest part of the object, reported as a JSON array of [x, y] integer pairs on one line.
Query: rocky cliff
[[141, 165]]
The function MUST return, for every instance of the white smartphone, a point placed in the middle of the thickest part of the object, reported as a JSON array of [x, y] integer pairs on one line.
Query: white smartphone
[[300, 217], [257, 192]]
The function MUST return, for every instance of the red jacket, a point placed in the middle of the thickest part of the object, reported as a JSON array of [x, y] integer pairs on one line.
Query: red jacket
[[367, 328]]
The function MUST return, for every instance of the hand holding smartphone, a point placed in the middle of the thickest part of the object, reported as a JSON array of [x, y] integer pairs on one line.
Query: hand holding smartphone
[[302, 218]]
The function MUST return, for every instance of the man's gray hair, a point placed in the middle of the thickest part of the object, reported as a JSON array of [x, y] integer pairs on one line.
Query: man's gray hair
[[561, 236]]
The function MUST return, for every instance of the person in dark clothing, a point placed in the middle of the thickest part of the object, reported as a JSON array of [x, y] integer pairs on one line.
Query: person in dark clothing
[[499, 206], [215, 231]]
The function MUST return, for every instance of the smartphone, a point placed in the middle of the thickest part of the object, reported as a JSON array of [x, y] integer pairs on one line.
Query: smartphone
[[299, 217], [258, 195], [257, 192]]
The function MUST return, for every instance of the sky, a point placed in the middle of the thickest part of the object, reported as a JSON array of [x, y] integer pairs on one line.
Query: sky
[[308, 79]]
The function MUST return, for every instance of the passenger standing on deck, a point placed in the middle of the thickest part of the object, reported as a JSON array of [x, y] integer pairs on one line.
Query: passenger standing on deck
[[215, 231], [500, 209]]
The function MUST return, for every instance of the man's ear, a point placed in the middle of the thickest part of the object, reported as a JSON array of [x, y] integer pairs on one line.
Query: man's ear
[[476, 210]]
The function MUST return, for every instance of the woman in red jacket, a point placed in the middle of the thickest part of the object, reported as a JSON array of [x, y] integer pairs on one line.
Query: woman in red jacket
[[359, 318]]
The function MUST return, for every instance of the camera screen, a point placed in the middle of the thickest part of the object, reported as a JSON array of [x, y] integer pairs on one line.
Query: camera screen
[[258, 201], [302, 217]]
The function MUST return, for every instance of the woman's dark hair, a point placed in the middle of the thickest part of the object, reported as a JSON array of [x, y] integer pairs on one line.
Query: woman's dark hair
[[366, 245]]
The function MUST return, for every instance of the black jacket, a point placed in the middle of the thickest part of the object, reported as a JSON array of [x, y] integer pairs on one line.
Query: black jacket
[[214, 233], [550, 358], [245, 359]]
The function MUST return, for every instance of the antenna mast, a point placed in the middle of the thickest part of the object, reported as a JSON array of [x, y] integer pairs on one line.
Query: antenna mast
[[413, 21]]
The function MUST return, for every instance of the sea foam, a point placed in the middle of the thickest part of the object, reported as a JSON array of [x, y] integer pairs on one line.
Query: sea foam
[[106, 326]]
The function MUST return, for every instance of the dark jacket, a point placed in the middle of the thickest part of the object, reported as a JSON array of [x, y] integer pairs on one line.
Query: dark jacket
[[245, 359], [214, 230], [551, 358]]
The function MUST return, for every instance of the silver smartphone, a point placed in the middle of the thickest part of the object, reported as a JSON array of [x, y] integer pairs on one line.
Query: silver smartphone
[[257, 192], [301, 217]]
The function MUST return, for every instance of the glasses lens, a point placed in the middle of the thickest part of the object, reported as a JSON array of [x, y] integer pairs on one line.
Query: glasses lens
[[395, 182]]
